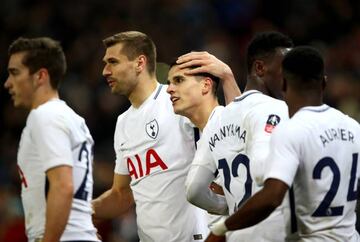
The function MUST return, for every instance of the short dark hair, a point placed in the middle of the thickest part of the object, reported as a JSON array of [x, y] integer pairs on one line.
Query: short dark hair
[[215, 79], [134, 44], [303, 66], [264, 44], [42, 52]]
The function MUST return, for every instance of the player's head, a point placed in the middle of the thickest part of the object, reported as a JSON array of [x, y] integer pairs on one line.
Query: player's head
[[188, 92], [128, 55], [264, 56], [34, 63], [303, 70]]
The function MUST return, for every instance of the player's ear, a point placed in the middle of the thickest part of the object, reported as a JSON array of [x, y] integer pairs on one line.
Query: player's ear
[[41, 77], [259, 67], [324, 82], [207, 85], [140, 63]]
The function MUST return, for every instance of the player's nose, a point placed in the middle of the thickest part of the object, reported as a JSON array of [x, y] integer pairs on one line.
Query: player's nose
[[170, 88], [106, 71], [7, 83]]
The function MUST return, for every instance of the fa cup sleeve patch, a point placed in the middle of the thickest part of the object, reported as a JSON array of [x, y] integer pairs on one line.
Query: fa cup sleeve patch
[[271, 123]]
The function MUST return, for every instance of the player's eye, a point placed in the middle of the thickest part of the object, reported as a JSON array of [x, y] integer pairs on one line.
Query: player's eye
[[178, 80], [13, 72], [113, 62]]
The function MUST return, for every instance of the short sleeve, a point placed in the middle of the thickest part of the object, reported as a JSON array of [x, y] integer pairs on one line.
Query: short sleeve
[[261, 126], [53, 137], [203, 156], [283, 159], [120, 163]]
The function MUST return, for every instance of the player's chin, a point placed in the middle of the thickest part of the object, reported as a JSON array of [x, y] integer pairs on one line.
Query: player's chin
[[118, 91], [177, 110], [114, 90], [18, 104]]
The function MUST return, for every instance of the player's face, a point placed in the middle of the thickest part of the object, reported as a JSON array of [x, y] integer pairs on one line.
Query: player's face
[[273, 76], [119, 71], [185, 91], [20, 83]]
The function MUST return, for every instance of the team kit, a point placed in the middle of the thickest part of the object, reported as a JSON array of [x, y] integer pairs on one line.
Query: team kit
[[275, 163]]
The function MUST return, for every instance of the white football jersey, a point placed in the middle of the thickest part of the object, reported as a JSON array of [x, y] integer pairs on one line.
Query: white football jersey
[[317, 153], [213, 218], [236, 143], [55, 135], [156, 147]]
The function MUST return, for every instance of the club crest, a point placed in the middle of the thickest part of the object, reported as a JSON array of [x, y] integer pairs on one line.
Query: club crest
[[152, 129]]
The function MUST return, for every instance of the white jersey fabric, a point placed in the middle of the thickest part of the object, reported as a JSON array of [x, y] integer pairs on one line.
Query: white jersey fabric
[[55, 135], [156, 147], [236, 143], [317, 153], [212, 218]]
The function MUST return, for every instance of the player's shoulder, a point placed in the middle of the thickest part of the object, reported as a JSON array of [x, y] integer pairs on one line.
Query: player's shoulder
[[216, 113], [123, 115], [274, 103], [261, 106], [254, 98], [351, 121], [57, 113], [214, 118], [303, 122], [289, 129], [51, 110]]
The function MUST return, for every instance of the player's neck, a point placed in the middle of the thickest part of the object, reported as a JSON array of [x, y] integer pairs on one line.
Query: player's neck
[[43, 95], [200, 116], [253, 83], [298, 101], [143, 90]]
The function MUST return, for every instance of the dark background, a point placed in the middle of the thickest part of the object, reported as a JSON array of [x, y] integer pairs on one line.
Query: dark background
[[221, 27]]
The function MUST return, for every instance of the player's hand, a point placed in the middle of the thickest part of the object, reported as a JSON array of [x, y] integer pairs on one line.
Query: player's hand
[[98, 236], [217, 188], [214, 238], [207, 63]]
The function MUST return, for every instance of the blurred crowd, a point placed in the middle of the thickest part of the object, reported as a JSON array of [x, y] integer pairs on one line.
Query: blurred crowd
[[221, 27]]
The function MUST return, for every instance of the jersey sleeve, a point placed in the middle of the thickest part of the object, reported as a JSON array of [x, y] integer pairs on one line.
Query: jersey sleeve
[[120, 163], [52, 134], [203, 155], [261, 125], [283, 159]]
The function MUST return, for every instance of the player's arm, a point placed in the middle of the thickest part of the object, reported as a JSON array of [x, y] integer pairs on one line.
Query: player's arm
[[260, 132], [255, 210], [58, 204], [198, 191], [115, 201], [210, 64]]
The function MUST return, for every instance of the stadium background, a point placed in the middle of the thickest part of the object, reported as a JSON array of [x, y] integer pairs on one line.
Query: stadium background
[[222, 27]]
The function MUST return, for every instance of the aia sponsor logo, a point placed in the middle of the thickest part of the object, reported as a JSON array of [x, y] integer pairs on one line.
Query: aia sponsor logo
[[22, 177], [143, 166]]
